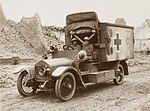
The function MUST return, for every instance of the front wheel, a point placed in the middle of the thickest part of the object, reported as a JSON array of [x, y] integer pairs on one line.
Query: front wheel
[[23, 89], [119, 75], [65, 86]]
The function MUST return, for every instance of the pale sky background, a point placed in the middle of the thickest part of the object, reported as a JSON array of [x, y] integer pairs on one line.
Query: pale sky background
[[53, 12]]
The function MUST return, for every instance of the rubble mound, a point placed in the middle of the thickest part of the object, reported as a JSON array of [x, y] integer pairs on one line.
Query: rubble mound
[[30, 28], [53, 36], [13, 43], [26, 39]]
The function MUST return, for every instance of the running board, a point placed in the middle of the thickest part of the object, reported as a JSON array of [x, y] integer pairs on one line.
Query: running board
[[85, 73], [89, 84], [101, 76]]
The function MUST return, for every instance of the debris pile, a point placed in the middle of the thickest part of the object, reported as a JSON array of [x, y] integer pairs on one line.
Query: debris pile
[[28, 38], [12, 42], [53, 36], [30, 28]]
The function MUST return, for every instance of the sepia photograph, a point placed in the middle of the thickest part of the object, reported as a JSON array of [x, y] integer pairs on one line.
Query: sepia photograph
[[77, 55]]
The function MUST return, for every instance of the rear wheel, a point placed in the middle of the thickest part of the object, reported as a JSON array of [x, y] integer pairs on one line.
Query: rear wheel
[[65, 86], [119, 75], [23, 89]]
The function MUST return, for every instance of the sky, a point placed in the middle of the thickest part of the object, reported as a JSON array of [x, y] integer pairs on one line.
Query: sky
[[54, 12]]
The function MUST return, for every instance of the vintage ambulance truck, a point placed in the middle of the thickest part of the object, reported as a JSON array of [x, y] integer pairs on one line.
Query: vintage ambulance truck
[[65, 70]]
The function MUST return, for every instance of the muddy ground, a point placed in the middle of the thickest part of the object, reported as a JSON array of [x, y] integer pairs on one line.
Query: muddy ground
[[133, 95]]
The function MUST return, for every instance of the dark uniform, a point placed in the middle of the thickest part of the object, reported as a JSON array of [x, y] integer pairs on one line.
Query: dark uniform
[[88, 48]]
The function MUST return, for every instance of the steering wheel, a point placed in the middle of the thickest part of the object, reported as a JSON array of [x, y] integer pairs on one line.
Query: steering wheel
[[66, 47]]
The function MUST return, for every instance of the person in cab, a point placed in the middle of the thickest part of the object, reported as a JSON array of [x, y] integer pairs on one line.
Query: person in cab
[[75, 44], [88, 47]]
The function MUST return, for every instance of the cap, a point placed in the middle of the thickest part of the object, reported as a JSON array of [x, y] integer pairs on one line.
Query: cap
[[74, 39], [87, 38]]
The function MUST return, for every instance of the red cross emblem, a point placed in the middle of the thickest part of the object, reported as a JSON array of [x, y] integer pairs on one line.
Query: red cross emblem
[[117, 41]]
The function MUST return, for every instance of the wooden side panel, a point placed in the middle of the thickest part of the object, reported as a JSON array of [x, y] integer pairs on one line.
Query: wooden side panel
[[119, 43]]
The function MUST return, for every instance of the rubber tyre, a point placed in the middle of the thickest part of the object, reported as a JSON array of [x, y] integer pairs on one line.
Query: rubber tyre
[[119, 76], [20, 89], [59, 83]]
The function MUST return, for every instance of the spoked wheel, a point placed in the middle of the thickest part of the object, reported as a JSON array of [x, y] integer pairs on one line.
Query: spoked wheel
[[65, 86], [23, 89], [119, 75]]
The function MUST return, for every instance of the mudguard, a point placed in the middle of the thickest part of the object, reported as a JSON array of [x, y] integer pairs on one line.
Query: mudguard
[[20, 69], [59, 71], [62, 69]]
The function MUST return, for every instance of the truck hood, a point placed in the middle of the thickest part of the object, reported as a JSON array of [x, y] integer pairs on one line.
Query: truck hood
[[54, 62]]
